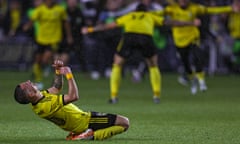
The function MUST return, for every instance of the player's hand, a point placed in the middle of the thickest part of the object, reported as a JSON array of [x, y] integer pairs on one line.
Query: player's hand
[[65, 70], [197, 22], [236, 6], [84, 30], [58, 64], [70, 40]]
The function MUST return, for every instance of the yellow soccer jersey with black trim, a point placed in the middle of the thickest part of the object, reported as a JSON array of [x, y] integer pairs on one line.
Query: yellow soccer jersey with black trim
[[50, 23], [68, 117], [139, 22], [234, 25], [185, 35]]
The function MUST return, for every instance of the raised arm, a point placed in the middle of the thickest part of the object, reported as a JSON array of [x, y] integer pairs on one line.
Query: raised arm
[[58, 79], [61, 70], [72, 94], [100, 27], [196, 22]]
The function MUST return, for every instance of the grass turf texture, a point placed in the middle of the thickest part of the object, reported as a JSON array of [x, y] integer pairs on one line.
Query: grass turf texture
[[212, 117]]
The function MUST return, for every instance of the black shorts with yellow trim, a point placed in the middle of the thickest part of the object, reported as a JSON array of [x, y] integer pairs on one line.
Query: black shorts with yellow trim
[[101, 120]]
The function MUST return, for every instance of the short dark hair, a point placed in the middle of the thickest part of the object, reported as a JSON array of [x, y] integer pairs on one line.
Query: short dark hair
[[141, 7], [20, 95]]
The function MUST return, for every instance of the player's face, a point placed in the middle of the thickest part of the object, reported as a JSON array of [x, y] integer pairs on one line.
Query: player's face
[[29, 87], [183, 3]]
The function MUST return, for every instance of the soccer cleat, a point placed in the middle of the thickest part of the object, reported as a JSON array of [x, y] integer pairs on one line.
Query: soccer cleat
[[194, 84], [87, 135], [156, 100], [113, 100], [183, 80]]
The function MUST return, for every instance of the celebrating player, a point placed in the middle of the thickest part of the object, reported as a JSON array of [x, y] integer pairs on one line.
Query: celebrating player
[[187, 38], [57, 108], [138, 26]]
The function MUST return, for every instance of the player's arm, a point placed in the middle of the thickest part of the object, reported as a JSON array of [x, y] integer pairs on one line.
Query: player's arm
[[72, 94], [100, 27], [58, 79], [196, 22], [159, 20], [27, 25], [219, 10], [235, 7]]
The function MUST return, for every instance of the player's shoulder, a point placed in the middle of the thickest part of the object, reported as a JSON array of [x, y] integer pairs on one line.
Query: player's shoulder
[[59, 7], [40, 7]]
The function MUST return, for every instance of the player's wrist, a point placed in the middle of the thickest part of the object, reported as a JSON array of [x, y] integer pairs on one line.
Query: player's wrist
[[90, 29], [69, 76], [57, 72]]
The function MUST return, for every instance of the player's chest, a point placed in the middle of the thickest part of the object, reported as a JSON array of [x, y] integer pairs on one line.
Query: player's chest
[[50, 15]]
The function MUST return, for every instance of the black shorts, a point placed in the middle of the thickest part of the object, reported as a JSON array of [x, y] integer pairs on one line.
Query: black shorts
[[101, 120], [131, 41], [42, 48]]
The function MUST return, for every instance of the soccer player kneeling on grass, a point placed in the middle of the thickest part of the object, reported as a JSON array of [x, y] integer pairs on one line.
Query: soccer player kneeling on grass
[[58, 108]]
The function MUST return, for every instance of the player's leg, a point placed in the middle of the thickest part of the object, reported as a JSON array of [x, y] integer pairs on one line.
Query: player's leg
[[102, 126], [155, 77], [115, 77], [184, 54], [121, 125], [198, 62], [47, 59], [113, 124], [37, 66]]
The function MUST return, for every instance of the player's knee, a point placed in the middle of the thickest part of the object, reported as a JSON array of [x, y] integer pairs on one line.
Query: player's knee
[[125, 123]]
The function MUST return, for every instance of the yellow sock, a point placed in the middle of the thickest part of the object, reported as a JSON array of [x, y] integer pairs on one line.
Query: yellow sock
[[155, 79], [200, 76], [115, 80], [37, 72], [108, 132]]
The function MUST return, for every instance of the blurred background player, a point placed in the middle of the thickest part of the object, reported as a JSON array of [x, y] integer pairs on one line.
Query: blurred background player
[[234, 31], [58, 108], [51, 17], [136, 63], [75, 49], [138, 31], [187, 39]]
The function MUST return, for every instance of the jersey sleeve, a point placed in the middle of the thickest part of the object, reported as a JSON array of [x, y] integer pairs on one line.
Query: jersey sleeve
[[158, 20], [219, 10], [121, 20], [35, 14], [213, 10]]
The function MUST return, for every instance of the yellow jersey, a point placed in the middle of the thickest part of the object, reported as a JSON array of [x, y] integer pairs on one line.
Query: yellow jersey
[[234, 25], [50, 23], [68, 117], [185, 35], [139, 22]]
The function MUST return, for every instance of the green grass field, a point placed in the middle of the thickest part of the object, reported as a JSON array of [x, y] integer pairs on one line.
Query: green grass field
[[212, 117]]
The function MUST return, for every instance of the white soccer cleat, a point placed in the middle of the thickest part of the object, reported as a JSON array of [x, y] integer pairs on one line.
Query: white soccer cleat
[[194, 88], [183, 80]]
